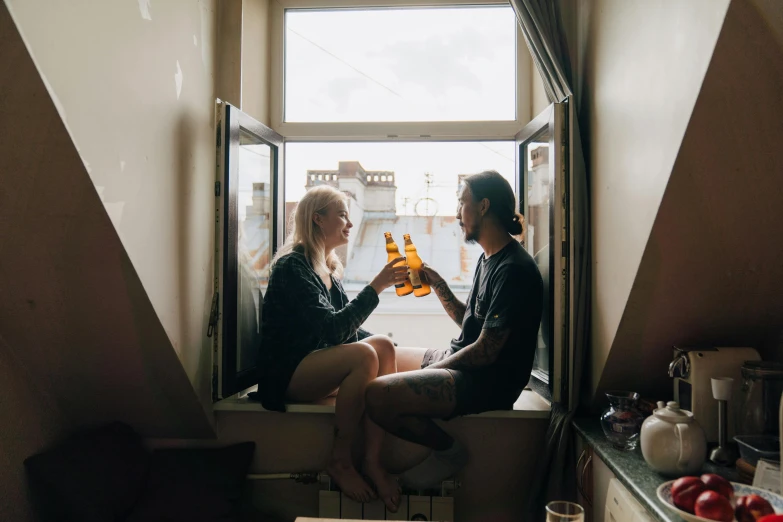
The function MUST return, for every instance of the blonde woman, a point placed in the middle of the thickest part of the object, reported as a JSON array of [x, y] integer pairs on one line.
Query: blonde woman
[[312, 341]]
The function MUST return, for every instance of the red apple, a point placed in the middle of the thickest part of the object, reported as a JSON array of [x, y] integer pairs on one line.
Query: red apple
[[718, 484], [752, 507], [771, 518], [714, 506], [685, 490]]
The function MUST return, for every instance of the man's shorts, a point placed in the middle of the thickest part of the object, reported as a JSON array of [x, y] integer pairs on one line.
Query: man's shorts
[[477, 390]]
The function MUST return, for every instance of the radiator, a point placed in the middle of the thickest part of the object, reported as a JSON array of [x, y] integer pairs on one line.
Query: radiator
[[334, 504]]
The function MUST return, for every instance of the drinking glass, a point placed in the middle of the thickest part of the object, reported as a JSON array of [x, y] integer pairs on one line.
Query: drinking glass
[[561, 511]]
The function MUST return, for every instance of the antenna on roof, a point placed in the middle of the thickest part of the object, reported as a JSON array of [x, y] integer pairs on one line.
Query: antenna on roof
[[426, 206]]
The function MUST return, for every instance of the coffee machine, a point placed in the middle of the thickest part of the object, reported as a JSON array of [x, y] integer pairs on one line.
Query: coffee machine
[[693, 368]]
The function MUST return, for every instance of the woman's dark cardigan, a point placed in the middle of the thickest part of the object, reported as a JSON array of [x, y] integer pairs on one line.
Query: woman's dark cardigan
[[298, 318]]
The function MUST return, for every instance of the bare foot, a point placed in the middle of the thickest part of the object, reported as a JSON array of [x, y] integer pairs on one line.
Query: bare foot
[[387, 486], [349, 481]]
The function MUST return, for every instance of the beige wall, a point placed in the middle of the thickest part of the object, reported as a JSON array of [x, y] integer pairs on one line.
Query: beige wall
[[538, 98], [244, 56], [74, 311], [228, 83], [256, 56], [711, 271], [37, 422], [494, 483], [134, 85], [80, 342], [643, 65]]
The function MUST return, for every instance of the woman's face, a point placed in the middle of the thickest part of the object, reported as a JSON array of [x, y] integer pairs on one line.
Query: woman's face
[[334, 224]]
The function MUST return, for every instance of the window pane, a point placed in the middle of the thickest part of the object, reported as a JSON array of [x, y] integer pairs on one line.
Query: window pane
[[410, 186], [253, 247], [423, 64], [418, 197], [539, 191]]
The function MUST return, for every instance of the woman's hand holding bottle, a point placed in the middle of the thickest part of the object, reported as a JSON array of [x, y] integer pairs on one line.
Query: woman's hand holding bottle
[[390, 275]]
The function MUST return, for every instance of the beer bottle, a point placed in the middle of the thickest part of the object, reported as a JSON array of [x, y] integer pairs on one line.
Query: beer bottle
[[393, 252], [420, 288]]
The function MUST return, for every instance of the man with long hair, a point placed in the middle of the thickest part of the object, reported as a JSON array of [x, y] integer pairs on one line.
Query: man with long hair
[[489, 364]]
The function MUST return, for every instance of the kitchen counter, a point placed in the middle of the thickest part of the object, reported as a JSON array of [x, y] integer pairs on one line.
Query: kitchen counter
[[634, 473]]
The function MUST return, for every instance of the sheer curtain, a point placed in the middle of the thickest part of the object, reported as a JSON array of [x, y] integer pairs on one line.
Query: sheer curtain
[[556, 470]]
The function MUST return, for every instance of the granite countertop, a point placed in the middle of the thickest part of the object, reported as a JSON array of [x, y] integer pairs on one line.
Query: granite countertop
[[634, 473]]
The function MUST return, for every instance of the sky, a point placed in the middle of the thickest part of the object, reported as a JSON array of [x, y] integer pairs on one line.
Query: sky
[[421, 64]]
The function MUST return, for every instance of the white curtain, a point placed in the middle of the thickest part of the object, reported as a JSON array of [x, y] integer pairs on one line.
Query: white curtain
[[556, 470]]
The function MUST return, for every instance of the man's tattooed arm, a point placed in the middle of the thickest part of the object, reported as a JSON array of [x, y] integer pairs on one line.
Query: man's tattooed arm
[[453, 306], [483, 352]]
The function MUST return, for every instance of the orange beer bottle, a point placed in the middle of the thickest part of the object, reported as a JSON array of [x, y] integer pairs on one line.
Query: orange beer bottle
[[420, 288], [393, 252]]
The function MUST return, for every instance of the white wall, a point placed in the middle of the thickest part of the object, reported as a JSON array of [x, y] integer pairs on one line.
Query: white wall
[[412, 321], [644, 63], [380, 199], [134, 84]]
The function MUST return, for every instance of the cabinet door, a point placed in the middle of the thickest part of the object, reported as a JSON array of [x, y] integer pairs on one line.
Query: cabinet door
[[583, 477], [601, 475]]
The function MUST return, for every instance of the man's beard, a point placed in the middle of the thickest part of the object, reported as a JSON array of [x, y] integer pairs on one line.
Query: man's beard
[[471, 237]]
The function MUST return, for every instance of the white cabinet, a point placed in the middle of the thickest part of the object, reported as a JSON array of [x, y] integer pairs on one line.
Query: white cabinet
[[604, 498], [601, 475], [621, 506]]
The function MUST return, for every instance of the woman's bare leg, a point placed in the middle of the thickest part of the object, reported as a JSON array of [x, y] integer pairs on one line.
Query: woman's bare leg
[[409, 358], [349, 367], [387, 487]]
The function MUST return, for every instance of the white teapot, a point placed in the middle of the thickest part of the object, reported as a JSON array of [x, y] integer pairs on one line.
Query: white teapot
[[673, 443]]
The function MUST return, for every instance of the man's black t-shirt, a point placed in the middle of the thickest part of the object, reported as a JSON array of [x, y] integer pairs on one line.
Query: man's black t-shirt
[[507, 292]]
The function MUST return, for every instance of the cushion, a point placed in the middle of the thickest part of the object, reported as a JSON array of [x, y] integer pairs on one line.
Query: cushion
[[194, 485], [93, 476]]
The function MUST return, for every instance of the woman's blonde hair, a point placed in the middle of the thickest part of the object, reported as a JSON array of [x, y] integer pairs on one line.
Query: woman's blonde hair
[[307, 235]]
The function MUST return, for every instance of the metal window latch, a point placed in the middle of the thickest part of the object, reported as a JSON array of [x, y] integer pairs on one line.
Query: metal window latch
[[213, 315]]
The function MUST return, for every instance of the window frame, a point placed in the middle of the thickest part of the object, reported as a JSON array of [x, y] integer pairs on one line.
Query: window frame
[[556, 120], [557, 387], [227, 380], [392, 131]]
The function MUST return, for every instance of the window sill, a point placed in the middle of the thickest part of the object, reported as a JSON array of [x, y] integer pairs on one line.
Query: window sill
[[529, 405]]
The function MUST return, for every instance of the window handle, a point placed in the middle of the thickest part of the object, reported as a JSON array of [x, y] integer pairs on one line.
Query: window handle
[[213, 316]]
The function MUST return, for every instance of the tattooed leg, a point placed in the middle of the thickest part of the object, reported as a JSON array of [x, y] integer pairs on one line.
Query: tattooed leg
[[404, 404]]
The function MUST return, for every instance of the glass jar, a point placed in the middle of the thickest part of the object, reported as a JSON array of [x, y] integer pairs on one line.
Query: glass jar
[[622, 422], [760, 391]]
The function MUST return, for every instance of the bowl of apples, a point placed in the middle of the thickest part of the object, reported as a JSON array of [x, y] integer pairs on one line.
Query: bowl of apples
[[712, 498]]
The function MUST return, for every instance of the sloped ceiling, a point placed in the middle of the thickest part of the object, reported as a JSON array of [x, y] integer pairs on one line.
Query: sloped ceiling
[[73, 309], [642, 65], [712, 269]]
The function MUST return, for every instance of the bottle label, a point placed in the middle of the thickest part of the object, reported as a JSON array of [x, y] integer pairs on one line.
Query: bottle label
[[401, 285], [415, 279]]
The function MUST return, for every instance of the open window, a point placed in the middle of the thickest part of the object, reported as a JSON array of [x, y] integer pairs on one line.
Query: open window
[[395, 123], [248, 195], [543, 159]]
